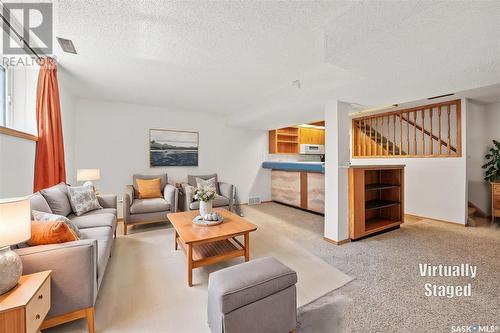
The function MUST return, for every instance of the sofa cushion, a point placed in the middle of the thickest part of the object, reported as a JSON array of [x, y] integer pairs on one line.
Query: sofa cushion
[[50, 232], [83, 199], [163, 181], [192, 180], [149, 188], [93, 220], [104, 237], [218, 201], [38, 202], [57, 199], [242, 284], [140, 206], [101, 211], [42, 216]]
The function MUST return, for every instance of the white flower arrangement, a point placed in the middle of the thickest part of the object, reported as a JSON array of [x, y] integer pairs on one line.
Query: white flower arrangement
[[204, 193]]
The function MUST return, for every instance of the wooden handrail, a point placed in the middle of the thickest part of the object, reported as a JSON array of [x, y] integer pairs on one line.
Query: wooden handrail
[[377, 135], [426, 132]]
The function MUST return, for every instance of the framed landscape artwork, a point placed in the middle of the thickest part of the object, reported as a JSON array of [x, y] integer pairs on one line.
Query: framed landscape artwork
[[173, 148]]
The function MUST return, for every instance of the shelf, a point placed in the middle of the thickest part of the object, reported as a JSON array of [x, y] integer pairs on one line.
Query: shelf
[[287, 141], [377, 204], [378, 224], [374, 187], [288, 134]]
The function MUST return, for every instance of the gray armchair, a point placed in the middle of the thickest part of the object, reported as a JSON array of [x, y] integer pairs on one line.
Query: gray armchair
[[224, 198], [140, 211]]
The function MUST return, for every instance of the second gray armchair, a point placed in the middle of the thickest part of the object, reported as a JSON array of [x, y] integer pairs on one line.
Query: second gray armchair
[[224, 198], [139, 211]]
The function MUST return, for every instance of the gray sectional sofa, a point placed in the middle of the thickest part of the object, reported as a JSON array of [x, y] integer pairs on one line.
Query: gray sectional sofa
[[77, 267]]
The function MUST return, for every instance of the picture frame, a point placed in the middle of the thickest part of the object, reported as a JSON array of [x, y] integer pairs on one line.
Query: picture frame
[[173, 148]]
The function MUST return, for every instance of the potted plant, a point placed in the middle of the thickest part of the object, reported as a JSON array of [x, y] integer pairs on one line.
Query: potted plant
[[492, 166], [205, 196]]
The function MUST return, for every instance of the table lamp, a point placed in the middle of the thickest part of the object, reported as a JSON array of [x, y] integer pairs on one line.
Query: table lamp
[[87, 175], [15, 227]]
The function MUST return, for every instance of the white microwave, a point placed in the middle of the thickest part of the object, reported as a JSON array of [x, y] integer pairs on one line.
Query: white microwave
[[306, 149]]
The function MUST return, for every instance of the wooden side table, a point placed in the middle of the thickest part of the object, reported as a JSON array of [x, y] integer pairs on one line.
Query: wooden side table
[[495, 201], [23, 309]]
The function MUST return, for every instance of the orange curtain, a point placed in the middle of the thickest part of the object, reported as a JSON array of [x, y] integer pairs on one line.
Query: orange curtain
[[49, 161]]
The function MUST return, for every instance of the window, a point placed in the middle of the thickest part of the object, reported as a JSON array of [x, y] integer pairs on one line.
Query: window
[[3, 103], [18, 101]]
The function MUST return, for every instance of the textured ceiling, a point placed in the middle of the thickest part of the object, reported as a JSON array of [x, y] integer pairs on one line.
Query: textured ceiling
[[240, 58]]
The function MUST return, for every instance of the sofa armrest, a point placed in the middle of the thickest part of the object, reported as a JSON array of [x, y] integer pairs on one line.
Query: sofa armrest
[[188, 196], [171, 195], [74, 272], [107, 200], [128, 198]]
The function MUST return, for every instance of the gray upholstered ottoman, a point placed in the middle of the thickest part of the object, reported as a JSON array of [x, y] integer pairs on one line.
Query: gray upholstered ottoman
[[256, 296]]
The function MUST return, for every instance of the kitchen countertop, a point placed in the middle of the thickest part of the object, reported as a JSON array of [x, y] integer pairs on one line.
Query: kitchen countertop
[[295, 166]]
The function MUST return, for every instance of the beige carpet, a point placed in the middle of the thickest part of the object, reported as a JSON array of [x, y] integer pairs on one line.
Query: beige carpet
[[145, 286]]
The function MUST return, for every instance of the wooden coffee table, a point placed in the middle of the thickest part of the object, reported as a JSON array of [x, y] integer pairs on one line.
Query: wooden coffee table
[[209, 245]]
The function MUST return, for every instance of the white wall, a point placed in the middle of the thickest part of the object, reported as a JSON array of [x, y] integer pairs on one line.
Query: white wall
[[482, 128], [434, 187], [114, 138], [337, 140]]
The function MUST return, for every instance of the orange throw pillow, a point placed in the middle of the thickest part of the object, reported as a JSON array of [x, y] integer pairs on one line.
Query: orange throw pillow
[[149, 188], [50, 232]]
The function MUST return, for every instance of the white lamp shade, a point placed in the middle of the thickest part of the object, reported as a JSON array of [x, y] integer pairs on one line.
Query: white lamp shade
[[87, 174], [15, 221]]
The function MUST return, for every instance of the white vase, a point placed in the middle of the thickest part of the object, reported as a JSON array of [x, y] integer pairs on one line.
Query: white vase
[[205, 207]]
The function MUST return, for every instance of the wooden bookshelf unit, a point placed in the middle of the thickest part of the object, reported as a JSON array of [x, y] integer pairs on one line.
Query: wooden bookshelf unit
[[376, 199]]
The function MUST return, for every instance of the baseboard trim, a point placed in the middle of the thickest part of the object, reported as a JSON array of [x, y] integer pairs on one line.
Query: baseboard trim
[[344, 241], [437, 220]]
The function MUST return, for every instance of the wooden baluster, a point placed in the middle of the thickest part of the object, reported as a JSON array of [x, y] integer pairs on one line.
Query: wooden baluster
[[394, 134], [367, 142], [458, 112], [377, 148], [370, 142], [415, 132], [449, 129], [400, 133], [364, 138], [423, 132], [408, 152], [439, 129], [387, 136], [431, 147], [357, 137]]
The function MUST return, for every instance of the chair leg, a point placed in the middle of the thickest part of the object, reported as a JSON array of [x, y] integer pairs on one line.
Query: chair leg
[[124, 228], [89, 313]]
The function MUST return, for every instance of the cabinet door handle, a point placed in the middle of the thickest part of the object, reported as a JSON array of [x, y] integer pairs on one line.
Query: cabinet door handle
[[37, 316], [40, 296]]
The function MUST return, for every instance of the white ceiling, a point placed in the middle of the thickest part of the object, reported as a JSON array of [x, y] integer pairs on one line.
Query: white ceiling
[[240, 58]]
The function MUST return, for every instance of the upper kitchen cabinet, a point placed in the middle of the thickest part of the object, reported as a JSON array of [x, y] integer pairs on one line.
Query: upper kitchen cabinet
[[288, 140], [284, 141], [311, 136]]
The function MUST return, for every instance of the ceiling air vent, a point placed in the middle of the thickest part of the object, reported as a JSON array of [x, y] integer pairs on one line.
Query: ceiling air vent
[[66, 45]]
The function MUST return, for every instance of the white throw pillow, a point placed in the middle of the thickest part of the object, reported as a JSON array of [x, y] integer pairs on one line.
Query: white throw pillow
[[83, 199], [200, 182]]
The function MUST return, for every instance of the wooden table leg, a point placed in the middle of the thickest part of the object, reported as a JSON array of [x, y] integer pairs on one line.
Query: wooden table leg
[[175, 240], [247, 246], [190, 264]]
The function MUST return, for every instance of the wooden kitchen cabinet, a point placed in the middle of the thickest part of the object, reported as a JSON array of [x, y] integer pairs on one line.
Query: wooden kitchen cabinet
[[284, 141], [495, 201], [311, 136]]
